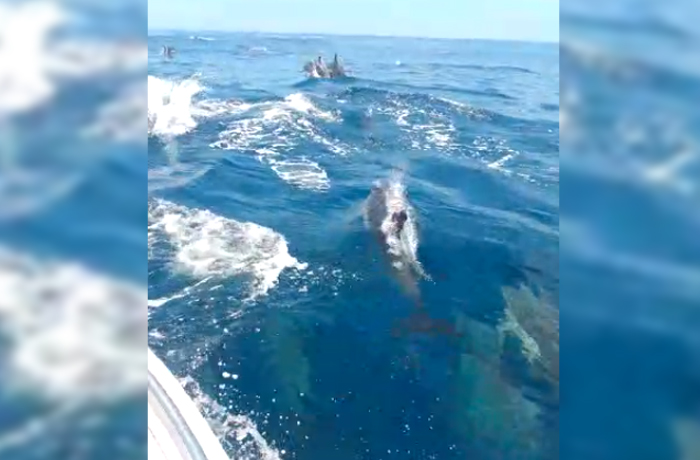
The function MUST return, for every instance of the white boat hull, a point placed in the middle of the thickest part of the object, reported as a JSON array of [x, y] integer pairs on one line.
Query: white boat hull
[[176, 428]]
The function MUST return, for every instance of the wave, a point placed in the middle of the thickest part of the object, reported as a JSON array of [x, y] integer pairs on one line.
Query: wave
[[205, 246], [274, 134], [72, 340], [173, 110], [170, 105], [27, 86]]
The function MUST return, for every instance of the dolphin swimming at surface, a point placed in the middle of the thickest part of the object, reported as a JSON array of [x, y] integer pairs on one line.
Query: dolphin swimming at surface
[[336, 69], [168, 51], [390, 216], [317, 68]]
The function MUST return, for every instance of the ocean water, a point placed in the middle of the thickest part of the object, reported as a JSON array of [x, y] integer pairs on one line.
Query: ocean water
[[284, 307], [72, 231], [313, 350], [630, 253]]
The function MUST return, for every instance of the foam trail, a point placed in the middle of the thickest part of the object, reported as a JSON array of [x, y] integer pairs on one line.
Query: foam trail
[[207, 245], [498, 164], [303, 173], [276, 132], [159, 302]]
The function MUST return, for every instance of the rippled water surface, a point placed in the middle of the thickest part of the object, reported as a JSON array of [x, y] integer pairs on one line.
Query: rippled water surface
[[630, 258], [304, 327]]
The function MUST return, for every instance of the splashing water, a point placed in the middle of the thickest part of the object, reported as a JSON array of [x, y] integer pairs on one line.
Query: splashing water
[[170, 106]]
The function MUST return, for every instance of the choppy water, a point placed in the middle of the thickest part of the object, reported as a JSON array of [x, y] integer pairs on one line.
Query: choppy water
[[298, 342], [72, 271], [273, 299]]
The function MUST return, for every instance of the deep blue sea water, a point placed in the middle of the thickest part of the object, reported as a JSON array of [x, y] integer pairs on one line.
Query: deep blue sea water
[[275, 303], [630, 253]]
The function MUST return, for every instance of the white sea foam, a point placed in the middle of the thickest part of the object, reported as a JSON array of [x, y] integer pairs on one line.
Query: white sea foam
[[173, 110], [437, 132], [208, 108], [238, 433], [73, 339], [170, 106], [37, 57], [73, 334], [302, 173], [207, 245], [495, 154], [668, 172], [498, 164], [275, 133], [301, 103]]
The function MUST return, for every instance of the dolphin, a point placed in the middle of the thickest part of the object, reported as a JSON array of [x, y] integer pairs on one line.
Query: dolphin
[[391, 218], [317, 68], [336, 69], [321, 68], [168, 51], [311, 70]]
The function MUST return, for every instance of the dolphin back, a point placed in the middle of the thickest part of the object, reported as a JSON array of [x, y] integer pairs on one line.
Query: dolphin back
[[375, 208]]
